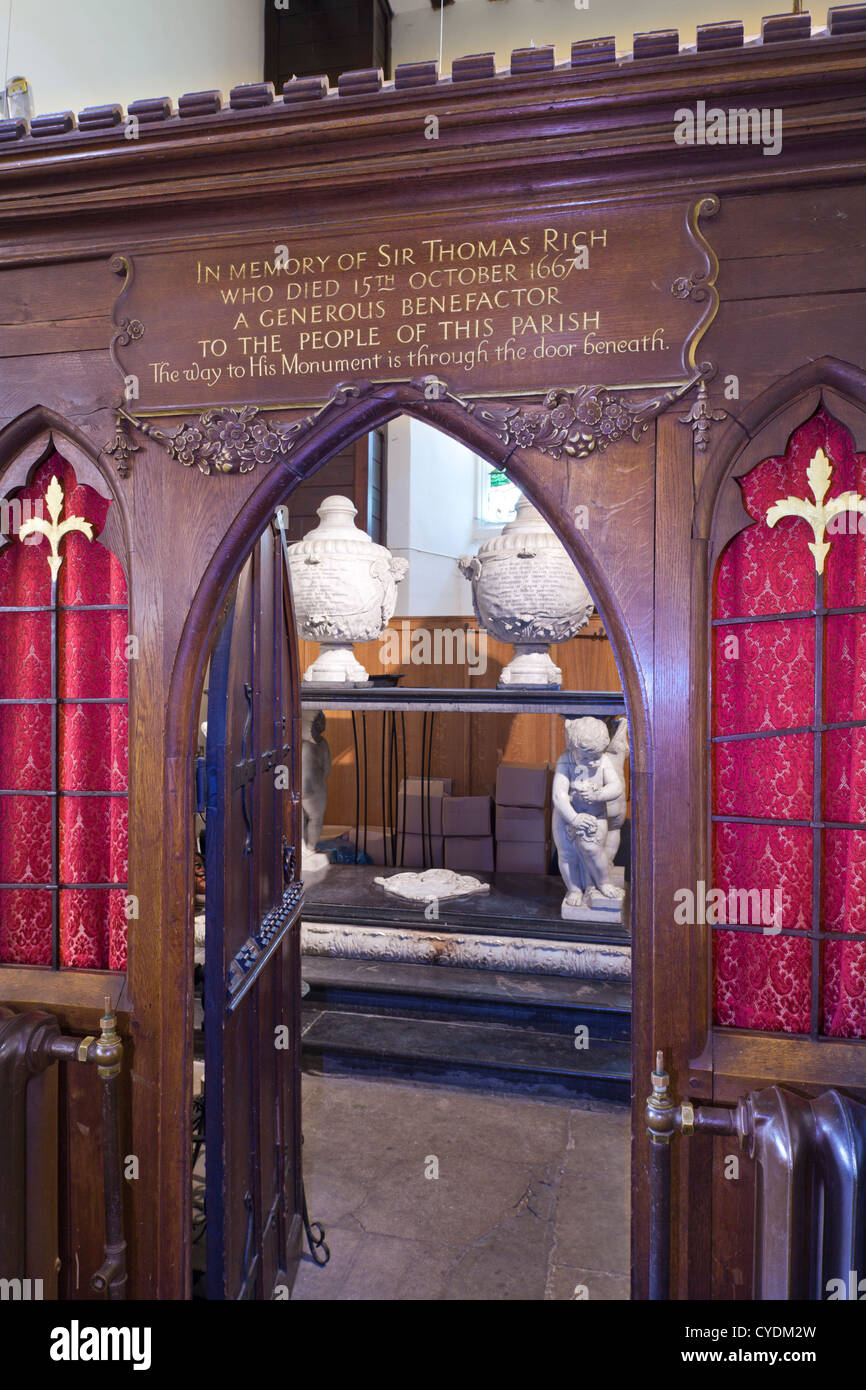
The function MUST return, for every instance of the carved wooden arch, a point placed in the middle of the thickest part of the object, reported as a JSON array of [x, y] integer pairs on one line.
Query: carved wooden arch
[[762, 431], [334, 428], [30, 438], [354, 411]]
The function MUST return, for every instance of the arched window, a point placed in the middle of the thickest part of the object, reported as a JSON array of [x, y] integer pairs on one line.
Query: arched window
[[789, 748], [63, 729]]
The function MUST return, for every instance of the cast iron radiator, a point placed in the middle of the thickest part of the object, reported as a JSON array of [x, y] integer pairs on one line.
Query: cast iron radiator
[[810, 1197], [29, 1044]]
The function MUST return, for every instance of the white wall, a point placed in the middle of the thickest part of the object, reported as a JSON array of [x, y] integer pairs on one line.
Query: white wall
[[79, 53], [432, 502], [482, 26], [88, 52]]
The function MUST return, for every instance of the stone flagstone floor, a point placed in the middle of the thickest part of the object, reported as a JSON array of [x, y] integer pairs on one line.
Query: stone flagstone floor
[[530, 1203]]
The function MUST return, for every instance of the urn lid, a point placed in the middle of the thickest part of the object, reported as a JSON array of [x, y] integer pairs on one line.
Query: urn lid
[[336, 531], [528, 518], [528, 523]]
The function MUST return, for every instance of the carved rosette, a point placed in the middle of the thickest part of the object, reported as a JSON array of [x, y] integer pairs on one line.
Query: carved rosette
[[225, 440], [574, 424], [230, 441]]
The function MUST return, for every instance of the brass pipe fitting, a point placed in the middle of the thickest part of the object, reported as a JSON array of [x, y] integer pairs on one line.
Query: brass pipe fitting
[[108, 1051], [661, 1111]]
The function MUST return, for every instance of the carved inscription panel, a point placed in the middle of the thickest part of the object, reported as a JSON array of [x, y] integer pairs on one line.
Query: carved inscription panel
[[611, 295]]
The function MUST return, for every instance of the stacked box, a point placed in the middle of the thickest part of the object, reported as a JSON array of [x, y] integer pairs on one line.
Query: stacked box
[[466, 815], [416, 848], [523, 784], [466, 823], [469, 853], [527, 857], [522, 818], [518, 824], [413, 795]]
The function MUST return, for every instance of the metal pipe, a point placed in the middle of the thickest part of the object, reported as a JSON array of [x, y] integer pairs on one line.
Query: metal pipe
[[661, 1124], [40, 1044], [111, 1276], [660, 1220], [665, 1119], [23, 1039], [716, 1119]]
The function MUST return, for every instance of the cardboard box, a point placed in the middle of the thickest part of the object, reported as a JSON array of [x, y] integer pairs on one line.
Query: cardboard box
[[522, 784], [469, 853], [375, 843], [439, 786], [417, 846], [527, 857], [466, 815], [333, 832], [521, 823], [418, 819]]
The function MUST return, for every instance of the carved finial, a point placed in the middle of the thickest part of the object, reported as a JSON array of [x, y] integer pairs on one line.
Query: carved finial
[[700, 417]]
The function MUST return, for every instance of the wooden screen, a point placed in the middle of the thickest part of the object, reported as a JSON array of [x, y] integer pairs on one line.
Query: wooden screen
[[789, 751]]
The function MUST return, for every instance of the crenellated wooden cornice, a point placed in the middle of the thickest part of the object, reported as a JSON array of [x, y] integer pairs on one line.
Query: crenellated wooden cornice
[[602, 123]]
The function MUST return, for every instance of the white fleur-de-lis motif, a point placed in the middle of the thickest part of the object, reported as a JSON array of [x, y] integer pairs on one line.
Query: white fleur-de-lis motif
[[818, 513], [55, 529]]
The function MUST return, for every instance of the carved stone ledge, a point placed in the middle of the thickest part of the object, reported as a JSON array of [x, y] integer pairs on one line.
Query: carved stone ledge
[[576, 960]]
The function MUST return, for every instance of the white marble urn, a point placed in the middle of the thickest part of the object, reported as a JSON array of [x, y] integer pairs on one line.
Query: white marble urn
[[527, 591], [345, 591]]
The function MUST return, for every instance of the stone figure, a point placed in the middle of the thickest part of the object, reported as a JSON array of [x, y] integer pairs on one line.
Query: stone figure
[[588, 810], [315, 766], [617, 752]]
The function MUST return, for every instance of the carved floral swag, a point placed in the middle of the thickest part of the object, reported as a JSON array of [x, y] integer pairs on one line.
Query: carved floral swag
[[765, 981], [93, 739]]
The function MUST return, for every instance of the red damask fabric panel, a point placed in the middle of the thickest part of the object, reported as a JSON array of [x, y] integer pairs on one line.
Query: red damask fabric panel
[[92, 747], [764, 676]]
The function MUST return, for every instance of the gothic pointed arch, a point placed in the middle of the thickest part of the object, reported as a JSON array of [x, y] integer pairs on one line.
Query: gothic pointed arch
[[787, 569], [63, 704]]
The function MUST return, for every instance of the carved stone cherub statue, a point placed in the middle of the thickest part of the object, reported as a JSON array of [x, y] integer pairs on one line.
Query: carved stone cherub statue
[[315, 766], [588, 810]]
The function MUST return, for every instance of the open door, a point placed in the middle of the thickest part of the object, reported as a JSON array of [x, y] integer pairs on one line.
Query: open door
[[252, 970]]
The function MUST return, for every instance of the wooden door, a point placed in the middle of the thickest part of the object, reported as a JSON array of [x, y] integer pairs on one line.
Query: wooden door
[[252, 970]]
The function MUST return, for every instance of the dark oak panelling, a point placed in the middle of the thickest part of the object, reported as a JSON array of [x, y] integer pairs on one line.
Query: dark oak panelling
[[791, 300]]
